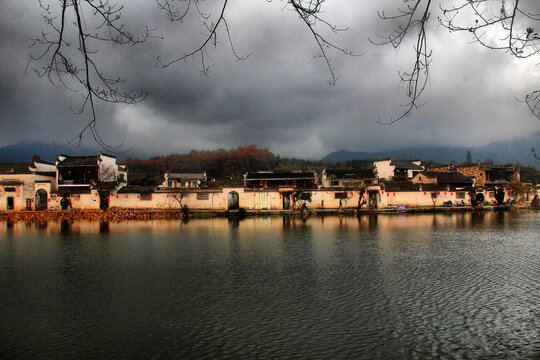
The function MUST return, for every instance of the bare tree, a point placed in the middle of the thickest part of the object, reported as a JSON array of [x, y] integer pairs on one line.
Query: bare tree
[[503, 25], [411, 18], [77, 29]]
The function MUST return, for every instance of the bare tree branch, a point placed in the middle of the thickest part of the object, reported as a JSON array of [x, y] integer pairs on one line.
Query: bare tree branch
[[503, 25], [79, 69], [415, 81], [75, 68]]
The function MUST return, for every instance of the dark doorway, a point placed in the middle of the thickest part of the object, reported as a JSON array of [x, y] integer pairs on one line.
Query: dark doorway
[[233, 200], [10, 203], [286, 201], [480, 198], [372, 199], [65, 203], [40, 200], [104, 201]]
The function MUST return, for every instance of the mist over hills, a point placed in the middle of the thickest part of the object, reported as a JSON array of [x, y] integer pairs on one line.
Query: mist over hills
[[23, 152], [501, 152], [513, 151]]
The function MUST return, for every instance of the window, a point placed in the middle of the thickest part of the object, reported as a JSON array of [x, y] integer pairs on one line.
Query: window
[[9, 189], [335, 182], [340, 195], [146, 197], [433, 195], [460, 195], [202, 196]]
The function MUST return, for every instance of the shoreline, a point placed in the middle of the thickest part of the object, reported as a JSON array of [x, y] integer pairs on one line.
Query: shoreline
[[116, 215]]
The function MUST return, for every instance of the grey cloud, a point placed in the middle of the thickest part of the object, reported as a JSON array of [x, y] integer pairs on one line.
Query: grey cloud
[[278, 97]]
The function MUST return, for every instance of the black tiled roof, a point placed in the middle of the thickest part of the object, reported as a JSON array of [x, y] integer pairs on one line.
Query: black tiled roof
[[401, 186], [439, 187], [14, 168], [220, 183], [11, 182], [533, 179], [448, 177], [406, 165], [133, 189], [79, 161], [351, 174], [280, 176], [186, 176]]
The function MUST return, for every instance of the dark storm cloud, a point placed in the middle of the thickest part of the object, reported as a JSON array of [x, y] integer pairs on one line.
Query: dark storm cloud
[[278, 97]]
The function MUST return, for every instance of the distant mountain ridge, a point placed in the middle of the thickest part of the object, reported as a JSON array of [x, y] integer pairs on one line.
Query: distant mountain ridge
[[513, 151], [24, 150]]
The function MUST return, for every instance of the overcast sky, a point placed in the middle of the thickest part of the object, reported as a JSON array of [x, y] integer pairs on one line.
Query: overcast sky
[[279, 97]]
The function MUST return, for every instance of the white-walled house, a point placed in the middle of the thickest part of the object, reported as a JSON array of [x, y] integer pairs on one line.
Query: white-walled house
[[82, 177], [26, 186], [387, 168], [184, 180]]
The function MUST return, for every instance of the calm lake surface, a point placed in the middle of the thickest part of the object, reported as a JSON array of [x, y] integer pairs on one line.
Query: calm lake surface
[[389, 286]]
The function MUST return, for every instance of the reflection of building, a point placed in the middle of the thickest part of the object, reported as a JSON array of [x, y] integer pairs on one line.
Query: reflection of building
[[386, 169], [184, 180], [26, 186]]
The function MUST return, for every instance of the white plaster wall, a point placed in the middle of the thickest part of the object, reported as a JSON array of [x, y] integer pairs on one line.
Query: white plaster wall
[[107, 169], [330, 201], [384, 169], [22, 192], [217, 200], [418, 198], [85, 201]]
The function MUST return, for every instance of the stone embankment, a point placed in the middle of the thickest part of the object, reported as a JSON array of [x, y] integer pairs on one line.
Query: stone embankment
[[90, 215]]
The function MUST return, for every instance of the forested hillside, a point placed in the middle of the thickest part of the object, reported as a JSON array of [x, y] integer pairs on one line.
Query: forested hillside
[[221, 164]]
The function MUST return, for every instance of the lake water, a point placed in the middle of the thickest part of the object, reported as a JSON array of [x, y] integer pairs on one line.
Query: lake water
[[389, 286]]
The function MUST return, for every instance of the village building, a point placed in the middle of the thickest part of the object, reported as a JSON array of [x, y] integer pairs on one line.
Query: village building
[[405, 194], [533, 185], [99, 182], [442, 168], [450, 179], [387, 169], [278, 190], [184, 180], [277, 180], [345, 178], [83, 178], [26, 186], [490, 175]]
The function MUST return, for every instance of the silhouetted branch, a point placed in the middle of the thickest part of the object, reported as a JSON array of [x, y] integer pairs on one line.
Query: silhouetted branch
[[505, 25], [75, 68], [88, 23], [533, 102], [308, 11], [415, 20]]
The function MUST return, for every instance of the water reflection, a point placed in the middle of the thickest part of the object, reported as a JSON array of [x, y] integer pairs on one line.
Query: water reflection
[[65, 228], [373, 222], [104, 227], [387, 286]]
